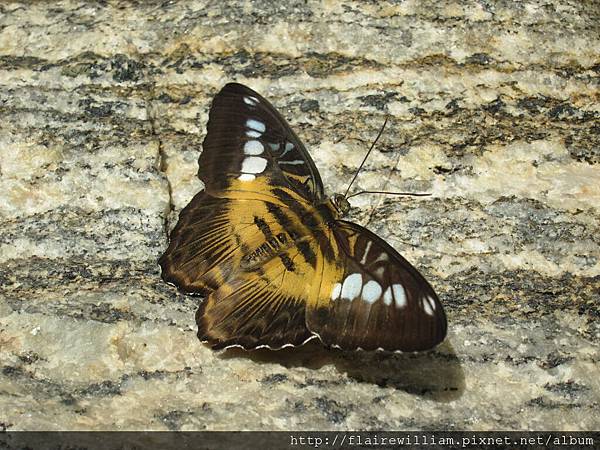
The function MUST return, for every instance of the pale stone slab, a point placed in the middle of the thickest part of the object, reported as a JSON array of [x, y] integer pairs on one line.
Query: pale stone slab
[[493, 108]]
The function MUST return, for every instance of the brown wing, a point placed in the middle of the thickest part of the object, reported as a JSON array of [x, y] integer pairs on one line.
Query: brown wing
[[370, 297], [248, 139], [205, 246], [242, 241]]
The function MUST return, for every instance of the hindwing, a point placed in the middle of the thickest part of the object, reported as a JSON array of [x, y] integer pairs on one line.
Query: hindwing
[[370, 297], [253, 259], [263, 305]]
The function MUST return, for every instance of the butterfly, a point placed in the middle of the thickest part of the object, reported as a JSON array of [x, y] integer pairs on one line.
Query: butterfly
[[274, 260]]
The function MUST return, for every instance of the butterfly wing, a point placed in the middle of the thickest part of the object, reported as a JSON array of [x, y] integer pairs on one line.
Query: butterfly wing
[[370, 297], [242, 241], [255, 259], [263, 305], [247, 141]]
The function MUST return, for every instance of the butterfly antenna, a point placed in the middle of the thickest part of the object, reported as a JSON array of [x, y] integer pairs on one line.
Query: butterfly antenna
[[412, 194], [365, 158]]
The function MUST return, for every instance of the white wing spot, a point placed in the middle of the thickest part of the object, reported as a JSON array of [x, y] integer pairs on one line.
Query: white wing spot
[[371, 291], [274, 147], [428, 305], [246, 177], [352, 286], [399, 295], [293, 163], [382, 257], [387, 296], [335, 292], [253, 148], [253, 134], [288, 146], [256, 125], [254, 164], [367, 248], [250, 100]]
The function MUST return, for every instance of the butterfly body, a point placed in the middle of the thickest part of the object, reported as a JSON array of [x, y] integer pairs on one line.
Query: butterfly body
[[269, 251]]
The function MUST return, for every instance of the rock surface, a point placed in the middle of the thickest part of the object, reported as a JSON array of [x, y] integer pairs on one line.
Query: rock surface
[[493, 109]]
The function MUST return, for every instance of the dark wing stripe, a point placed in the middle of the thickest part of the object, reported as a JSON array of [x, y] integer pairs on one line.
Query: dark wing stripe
[[307, 252], [316, 227], [281, 217], [291, 226]]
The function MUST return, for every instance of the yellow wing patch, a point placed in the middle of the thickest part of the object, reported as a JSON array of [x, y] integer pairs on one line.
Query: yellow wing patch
[[264, 306], [255, 259]]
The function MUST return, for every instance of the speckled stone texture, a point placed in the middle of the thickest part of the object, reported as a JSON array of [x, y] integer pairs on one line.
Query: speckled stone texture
[[494, 109]]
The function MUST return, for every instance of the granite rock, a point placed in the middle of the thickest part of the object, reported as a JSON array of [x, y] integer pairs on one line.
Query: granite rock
[[493, 109]]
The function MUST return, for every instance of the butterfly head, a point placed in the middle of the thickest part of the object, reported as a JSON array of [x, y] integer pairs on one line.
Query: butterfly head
[[341, 204]]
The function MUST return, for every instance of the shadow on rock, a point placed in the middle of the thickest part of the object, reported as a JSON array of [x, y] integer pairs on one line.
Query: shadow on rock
[[436, 374]]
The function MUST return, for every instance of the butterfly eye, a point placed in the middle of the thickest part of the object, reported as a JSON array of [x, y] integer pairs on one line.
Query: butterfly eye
[[341, 204]]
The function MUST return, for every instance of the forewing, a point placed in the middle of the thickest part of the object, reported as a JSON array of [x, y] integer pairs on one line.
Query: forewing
[[247, 139], [370, 297]]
